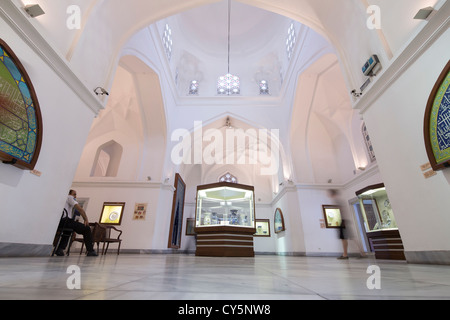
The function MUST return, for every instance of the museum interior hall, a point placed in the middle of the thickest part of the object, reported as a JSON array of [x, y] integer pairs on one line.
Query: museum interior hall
[[302, 145]]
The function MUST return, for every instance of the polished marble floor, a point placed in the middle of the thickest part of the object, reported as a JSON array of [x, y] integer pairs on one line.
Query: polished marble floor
[[187, 277]]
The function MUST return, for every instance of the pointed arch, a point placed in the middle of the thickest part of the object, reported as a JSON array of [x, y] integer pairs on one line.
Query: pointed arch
[[107, 160]]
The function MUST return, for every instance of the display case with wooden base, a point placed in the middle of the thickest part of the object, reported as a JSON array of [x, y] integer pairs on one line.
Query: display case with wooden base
[[225, 220], [225, 241]]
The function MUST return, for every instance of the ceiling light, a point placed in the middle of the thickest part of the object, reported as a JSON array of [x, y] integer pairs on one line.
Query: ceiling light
[[263, 87], [34, 10], [372, 191], [424, 13]]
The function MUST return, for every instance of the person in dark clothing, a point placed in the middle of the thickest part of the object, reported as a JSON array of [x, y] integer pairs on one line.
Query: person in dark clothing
[[343, 233], [344, 239], [67, 221]]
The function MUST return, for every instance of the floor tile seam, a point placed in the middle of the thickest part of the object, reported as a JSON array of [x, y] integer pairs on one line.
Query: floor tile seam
[[298, 285], [219, 293], [428, 282], [93, 293], [125, 283]]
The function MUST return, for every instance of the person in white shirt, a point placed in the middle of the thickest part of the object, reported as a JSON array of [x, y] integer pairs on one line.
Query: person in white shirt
[[67, 221]]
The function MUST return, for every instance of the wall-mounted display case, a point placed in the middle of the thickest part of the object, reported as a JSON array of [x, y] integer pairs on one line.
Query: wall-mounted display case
[[378, 224], [376, 208], [225, 219], [262, 228], [112, 213], [279, 221]]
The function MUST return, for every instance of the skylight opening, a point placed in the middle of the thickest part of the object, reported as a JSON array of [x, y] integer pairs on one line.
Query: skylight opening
[[167, 41], [290, 41], [263, 87], [193, 88]]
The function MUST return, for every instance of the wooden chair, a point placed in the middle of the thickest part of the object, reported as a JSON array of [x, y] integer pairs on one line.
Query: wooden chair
[[98, 234], [61, 231], [112, 236]]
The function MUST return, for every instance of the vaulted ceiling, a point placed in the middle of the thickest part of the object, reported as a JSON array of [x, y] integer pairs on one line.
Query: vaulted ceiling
[[309, 99], [93, 49]]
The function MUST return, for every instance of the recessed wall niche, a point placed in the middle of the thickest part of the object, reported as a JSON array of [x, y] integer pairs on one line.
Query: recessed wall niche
[[107, 160]]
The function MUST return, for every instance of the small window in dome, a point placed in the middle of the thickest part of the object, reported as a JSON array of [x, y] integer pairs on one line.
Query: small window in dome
[[228, 177]]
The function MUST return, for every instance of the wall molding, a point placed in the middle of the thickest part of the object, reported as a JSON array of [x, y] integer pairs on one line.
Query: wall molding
[[22, 25], [118, 184]]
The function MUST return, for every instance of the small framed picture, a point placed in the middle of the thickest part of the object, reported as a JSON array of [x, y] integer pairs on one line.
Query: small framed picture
[[140, 210], [112, 213], [332, 215], [190, 225], [262, 228]]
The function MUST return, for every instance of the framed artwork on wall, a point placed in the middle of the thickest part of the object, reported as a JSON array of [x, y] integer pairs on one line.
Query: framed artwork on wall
[[190, 225], [140, 211], [437, 122], [20, 115], [112, 213], [279, 221], [332, 215], [176, 223]]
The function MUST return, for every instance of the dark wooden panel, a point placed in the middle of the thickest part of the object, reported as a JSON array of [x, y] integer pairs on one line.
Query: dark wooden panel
[[387, 244], [225, 229], [225, 241], [224, 237], [224, 252]]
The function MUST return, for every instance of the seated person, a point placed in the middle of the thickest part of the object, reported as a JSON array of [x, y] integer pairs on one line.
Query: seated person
[[68, 221]]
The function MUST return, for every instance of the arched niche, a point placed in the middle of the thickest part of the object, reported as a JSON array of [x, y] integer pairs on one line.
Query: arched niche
[[107, 160]]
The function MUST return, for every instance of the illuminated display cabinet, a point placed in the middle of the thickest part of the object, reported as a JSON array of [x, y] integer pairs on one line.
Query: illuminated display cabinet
[[225, 220], [377, 223]]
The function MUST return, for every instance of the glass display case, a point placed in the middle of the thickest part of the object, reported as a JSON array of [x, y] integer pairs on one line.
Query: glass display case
[[279, 221], [377, 223], [225, 204], [376, 209], [225, 220]]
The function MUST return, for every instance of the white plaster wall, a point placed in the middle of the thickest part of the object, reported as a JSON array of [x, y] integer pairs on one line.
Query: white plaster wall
[[137, 234], [395, 122], [317, 240], [293, 239], [31, 206]]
